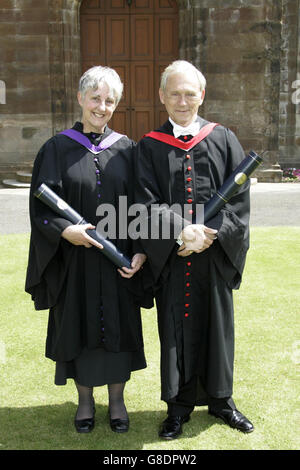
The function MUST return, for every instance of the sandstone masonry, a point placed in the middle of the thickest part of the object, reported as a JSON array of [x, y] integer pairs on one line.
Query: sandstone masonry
[[249, 51]]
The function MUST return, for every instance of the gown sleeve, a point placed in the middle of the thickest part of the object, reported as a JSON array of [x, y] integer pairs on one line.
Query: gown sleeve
[[136, 246], [232, 223], [229, 251], [150, 190], [47, 262], [140, 285]]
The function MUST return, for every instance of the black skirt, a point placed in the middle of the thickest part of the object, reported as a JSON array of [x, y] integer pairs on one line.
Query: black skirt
[[97, 367]]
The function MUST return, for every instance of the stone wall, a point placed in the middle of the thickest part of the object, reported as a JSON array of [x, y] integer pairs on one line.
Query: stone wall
[[289, 110], [65, 61], [40, 65], [247, 49], [24, 59], [236, 43]]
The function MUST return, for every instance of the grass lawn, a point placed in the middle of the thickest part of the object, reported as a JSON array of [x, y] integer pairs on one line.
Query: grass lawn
[[35, 414]]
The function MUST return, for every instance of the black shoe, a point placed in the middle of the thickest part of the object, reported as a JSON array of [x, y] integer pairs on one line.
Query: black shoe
[[119, 425], [234, 419], [85, 425], [172, 426]]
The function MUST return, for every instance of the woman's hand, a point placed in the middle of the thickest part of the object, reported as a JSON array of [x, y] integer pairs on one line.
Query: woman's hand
[[76, 234], [137, 262]]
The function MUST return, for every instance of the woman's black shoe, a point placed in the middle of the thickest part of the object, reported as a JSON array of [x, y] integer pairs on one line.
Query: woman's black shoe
[[85, 425], [118, 425]]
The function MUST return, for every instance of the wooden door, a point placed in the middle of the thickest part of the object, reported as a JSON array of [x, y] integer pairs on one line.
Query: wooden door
[[138, 38]]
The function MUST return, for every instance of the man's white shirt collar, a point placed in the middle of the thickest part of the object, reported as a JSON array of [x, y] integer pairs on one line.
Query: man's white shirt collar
[[191, 129]]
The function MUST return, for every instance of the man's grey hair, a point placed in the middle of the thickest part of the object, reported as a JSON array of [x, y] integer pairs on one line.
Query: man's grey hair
[[182, 66], [95, 75]]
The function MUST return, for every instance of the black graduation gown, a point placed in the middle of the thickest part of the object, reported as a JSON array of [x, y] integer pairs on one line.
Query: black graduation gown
[[90, 304], [194, 294]]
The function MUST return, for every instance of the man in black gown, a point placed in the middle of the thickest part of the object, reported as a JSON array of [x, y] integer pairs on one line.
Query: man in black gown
[[194, 282]]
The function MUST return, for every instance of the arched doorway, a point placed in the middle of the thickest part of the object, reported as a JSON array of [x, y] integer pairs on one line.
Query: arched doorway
[[138, 38]]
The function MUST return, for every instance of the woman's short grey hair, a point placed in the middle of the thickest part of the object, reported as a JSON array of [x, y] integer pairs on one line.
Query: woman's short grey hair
[[95, 75], [182, 66]]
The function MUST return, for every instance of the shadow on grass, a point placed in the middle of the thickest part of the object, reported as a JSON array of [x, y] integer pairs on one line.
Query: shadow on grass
[[51, 427]]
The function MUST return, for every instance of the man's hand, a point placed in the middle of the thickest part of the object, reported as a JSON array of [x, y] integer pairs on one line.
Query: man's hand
[[182, 251], [197, 238], [137, 262], [76, 234]]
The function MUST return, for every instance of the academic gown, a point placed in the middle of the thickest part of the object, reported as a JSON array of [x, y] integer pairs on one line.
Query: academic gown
[[194, 293], [91, 305]]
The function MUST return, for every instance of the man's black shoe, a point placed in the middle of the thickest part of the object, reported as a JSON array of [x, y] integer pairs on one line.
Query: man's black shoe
[[234, 419], [172, 426]]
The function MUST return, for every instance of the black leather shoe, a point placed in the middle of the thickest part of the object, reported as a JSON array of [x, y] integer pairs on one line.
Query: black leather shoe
[[234, 418], [119, 425], [172, 426], [85, 425]]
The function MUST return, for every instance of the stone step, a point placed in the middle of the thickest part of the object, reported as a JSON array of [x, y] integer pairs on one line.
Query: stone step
[[11, 183], [24, 176]]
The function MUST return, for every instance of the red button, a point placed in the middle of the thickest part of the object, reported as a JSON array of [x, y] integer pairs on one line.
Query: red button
[[189, 168], [187, 294], [189, 190], [188, 156], [188, 284], [191, 211], [189, 263], [186, 314], [189, 179], [190, 201], [187, 274], [187, 305]]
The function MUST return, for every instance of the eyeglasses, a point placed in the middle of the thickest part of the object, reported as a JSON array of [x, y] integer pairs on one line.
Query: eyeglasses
[[176, 96]]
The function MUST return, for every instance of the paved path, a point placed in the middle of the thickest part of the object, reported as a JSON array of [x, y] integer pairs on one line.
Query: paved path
[[14, 216], [272, 204]]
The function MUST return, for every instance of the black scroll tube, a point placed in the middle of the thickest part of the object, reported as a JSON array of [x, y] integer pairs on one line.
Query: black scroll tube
[[58, 205], [231, 185]]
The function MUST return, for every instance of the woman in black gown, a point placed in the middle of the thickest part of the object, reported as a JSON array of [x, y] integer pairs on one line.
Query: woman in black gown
[[94, 327]]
